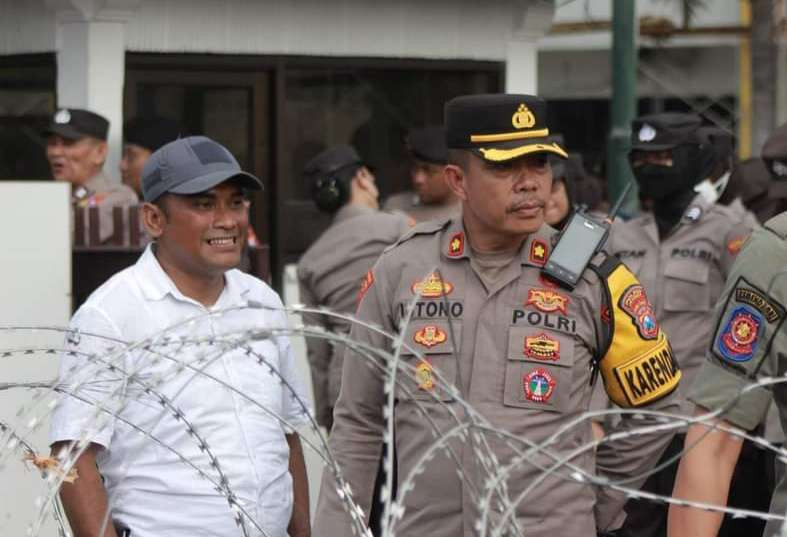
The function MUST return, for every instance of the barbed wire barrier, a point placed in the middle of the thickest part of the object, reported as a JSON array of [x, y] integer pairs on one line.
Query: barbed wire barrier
[[128, 373]]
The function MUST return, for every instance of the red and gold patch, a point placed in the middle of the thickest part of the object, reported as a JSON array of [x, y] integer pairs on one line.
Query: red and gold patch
[[366, 284], [456, 245], [635, 303], [432, 287], [429, 336], [542, 347], [734, 246], [538, 252], [424, 376], [547, 300], [539, 385]]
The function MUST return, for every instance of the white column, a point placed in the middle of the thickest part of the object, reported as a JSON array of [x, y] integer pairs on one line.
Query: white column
[[90, 40], [531, 20]]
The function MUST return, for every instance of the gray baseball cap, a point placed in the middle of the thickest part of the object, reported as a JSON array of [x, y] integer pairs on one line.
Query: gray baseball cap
[[191, 165]]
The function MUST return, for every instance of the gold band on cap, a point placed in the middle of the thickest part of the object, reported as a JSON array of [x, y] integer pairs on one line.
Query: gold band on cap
[[507, 136], [499, 155]]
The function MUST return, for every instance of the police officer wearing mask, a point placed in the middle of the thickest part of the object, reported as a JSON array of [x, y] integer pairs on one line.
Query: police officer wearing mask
[[331, 270], [431, 198], [516, 346], [681, 249], [76, 148]]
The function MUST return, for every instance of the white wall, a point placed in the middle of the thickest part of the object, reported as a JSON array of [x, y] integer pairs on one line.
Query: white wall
[[35, 290]]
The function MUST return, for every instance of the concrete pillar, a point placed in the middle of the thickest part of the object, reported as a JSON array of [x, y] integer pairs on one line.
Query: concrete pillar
[[531, 20], [91, 49]]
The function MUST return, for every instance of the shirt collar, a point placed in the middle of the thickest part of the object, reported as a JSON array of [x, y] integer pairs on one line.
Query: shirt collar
[[97, 183], [351, 210], [156, 283], [535, 250]]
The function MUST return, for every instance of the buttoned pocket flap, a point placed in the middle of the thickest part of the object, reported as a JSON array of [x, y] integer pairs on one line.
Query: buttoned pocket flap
[[686, 286]]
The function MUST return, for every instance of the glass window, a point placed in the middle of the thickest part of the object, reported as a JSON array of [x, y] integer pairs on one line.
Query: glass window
[[27, 101]]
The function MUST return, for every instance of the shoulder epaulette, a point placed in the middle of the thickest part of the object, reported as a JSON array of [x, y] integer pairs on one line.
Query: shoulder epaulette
[[428, 227], [778, 225]]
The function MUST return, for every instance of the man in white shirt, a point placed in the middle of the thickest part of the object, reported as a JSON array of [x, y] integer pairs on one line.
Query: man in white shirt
[[181, 382]]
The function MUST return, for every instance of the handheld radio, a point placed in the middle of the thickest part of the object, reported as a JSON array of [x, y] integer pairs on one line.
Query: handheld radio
[[579, 241]]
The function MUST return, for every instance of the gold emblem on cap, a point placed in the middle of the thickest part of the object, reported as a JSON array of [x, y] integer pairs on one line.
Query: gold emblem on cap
[[523, 118], [62, 116]]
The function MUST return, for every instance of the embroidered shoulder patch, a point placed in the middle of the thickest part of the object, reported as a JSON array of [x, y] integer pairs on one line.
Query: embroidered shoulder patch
[[634, 302], [741, 334], [746, 325]]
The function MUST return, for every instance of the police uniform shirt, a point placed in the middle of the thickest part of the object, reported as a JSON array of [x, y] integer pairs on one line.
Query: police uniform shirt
[[409, 203], [100, 192], [518, 352], [749, 341], [683, 273], [329, 275]]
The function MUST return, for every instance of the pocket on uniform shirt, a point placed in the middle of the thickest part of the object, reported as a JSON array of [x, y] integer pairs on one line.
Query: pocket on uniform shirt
[[538, 369], [686, 286], [430, 361]]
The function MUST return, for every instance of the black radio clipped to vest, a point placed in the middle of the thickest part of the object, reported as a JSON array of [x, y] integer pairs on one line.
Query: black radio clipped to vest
[[581, 238]]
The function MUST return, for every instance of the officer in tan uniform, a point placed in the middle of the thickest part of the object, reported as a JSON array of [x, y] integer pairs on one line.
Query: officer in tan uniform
[[681, 249], [431, 197], [749, 343], [331, 270], [76, 149], [488, 325]]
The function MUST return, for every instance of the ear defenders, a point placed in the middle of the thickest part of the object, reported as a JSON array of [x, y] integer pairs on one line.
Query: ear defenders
[[332, 191]]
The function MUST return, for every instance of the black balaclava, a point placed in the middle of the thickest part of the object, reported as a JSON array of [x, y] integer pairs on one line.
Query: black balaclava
[[668, 190]]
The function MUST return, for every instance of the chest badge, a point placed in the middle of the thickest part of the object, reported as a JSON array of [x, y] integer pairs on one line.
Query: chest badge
[[538, 252], [429, 336], [542, 347], [738, 340], [456, 246], [424, 376], [636, 305], [432, 287], [539, 385], [547, 300]]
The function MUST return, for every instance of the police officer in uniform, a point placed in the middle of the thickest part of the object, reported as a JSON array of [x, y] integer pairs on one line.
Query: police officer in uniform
[[331, 270], [76, 149], [681, 250], [143, 136], [749, 342], [431, 197], [517, 347]]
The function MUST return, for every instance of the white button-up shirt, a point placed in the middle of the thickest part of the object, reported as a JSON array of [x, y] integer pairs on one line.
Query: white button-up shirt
[[205, 391]]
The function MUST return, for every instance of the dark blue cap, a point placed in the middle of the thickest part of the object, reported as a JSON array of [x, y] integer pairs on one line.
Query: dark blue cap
[[190, 166]]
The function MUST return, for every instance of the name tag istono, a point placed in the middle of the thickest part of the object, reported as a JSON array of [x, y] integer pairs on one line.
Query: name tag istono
[[650, 376]]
